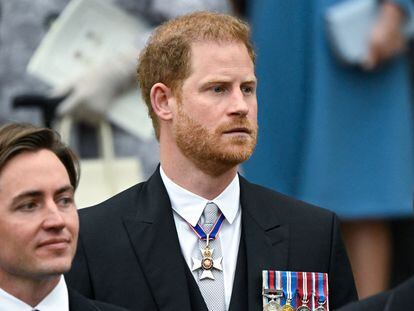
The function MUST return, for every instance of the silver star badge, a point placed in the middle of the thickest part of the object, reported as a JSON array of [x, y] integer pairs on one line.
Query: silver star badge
[[207, 264]]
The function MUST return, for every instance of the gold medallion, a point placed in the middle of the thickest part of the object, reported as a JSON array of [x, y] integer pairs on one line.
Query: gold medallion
[[288, 306]]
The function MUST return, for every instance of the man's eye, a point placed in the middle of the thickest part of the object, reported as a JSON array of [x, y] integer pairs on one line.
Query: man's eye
[[218, 89], [27, 207], [65, 201], [247, 89]]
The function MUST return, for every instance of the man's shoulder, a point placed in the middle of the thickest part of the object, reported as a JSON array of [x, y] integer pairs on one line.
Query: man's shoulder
[[286, 205], [376, 303], [77, 302], [392, 300], [401, 296], [114, 204], [108, 214], [125, 201]]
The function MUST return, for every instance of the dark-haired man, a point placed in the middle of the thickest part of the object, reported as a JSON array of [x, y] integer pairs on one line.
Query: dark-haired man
[[38, 222]]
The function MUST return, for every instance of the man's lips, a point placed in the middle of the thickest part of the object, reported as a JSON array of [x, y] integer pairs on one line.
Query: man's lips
[[55, 242], [238, 130]]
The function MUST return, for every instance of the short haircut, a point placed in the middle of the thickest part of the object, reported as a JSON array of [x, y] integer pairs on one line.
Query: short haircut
[[167, 56], [16, 138]]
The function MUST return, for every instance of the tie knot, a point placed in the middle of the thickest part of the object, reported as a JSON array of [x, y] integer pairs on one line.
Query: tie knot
[[210, 215]]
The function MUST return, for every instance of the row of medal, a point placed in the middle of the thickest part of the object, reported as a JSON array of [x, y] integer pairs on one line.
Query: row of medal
[[295, 291]]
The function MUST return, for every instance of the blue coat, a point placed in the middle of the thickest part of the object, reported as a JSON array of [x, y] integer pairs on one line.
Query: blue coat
[[330, 134]]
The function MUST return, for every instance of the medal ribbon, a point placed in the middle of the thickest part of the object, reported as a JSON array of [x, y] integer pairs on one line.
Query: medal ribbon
[[325, 281], [315, 294], [268, 283], [265, 285], [265, 276], [305, 286], [289, 284], [272, 282], [321, 288], [302, 287], [202, 235], [278, 280], [278, 283]]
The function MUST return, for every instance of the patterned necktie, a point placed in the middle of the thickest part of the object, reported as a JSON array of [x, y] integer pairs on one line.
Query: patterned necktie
[[211, 289]]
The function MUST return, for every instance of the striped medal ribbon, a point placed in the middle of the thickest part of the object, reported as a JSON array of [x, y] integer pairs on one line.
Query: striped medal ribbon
[[304, 279], [272, 290], [321, 280], [289, 290]]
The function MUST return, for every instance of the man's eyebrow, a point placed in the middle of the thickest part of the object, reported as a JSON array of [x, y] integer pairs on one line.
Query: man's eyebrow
[[27, 194], [216, 81], [38, 193], [65, 189], [225, 81]]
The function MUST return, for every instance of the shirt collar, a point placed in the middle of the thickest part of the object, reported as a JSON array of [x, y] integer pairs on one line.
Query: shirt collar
[[190, 206], [57, 299]]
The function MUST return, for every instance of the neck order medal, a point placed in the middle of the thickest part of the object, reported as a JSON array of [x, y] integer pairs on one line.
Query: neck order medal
[[207, 263]]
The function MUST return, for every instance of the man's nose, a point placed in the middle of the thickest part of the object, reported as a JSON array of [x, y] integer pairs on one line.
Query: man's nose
[[53, 218], [239, 103]]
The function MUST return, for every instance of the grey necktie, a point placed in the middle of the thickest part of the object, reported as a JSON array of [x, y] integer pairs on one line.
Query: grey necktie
[[212, 290]]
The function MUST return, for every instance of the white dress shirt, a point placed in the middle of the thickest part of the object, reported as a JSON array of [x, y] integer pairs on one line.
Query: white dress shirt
[[57, 299], [188, 208]]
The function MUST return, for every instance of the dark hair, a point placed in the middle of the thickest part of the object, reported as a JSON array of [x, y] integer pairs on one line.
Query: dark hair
[[16, 138]]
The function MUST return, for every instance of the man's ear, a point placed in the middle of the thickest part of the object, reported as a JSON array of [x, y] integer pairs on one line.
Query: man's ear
[[161, 101]]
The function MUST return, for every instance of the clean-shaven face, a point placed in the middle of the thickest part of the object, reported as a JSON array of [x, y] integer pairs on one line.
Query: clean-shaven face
[[38, 218]]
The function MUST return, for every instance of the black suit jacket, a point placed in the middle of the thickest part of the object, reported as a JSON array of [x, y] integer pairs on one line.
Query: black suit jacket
[[399, 298], [79, 303], [129, 253]]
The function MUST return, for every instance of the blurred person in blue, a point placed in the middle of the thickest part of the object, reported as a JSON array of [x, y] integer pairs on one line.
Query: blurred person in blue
[[24, 23], [335, 135]]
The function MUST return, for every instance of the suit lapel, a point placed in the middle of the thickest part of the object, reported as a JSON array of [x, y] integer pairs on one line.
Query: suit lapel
[[267, 241], [152, 232]]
